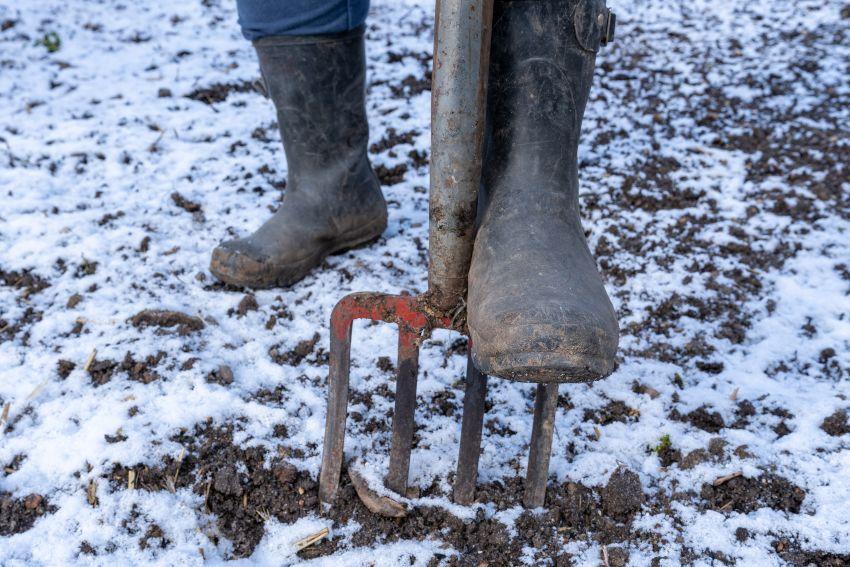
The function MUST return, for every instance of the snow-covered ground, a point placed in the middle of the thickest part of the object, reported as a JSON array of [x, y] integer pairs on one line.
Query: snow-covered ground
[[716, 192]]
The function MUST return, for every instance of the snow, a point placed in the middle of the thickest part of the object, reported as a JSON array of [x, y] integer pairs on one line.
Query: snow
[[83, 133]]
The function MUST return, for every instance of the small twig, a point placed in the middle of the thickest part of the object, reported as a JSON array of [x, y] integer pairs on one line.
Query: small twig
[[179, 462], [605, 556], [207, 495], [90, 360], [734, 395], [131, 479], [91, 493], [376, 503], [726, 478], [311, 539], [4, 418], [37, 390], [155, 146]]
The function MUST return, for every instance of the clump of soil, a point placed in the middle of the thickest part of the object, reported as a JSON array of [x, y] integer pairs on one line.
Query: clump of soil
[[385, 364], [694, 458], [25, 280], [101, 371], [743, 413], [246, 304], [745, 495], [836, 424], [86, 268], [219, 92], [184, 323], [623, 495], [19, 515], [154, 538], [391, 175], [64, 368], [392, 139], [143, 370], [701, 418], [296, 355], [411, 86], [615, 411], [188, 206], [223, 375]]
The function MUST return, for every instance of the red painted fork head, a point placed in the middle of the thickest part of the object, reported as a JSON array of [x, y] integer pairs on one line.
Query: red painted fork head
[[413, 314], [416, 318]]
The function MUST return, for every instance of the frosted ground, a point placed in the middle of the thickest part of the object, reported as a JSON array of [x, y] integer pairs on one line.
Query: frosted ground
[[716, 194]]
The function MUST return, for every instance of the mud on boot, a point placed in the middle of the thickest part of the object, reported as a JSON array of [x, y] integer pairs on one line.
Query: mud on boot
[[333, 199], [537, 307]]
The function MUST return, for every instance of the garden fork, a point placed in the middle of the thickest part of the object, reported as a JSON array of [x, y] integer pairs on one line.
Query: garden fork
[[459, 80]]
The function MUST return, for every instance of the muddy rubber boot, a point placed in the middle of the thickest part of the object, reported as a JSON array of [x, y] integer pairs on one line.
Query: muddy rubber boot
[[537, 307], [333, 199]]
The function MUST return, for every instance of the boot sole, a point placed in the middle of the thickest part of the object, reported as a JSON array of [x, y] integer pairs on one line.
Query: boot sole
[[542, 367], [285, 276]]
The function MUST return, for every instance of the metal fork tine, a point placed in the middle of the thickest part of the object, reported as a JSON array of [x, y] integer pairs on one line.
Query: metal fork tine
[[541, 444], [405, 406], [339, 364], [470, 433]]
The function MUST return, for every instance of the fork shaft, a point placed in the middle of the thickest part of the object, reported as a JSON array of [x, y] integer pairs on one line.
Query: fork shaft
[[459, 83]]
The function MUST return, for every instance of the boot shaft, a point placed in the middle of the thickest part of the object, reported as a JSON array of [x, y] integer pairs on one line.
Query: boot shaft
[[317, 84], [542, 60]]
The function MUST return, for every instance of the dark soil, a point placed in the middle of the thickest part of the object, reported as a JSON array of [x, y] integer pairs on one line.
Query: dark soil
[[701, 418], [143, 370], [239, 489], [792, 552], [623, 495], [615, 411], [294, 356], [745, 495], [223, 375], [248, 303], [64, 368], [219, 92], [391, 175], [185, 324], [392, 139], [836, 424], [101, 371], [25, 280], [188, 206], [19, 515]]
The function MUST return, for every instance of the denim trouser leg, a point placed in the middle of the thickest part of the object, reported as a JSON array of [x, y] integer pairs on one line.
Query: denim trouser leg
[[261, 18]]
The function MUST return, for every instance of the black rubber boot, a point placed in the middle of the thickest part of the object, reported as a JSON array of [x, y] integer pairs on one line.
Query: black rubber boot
[[537, 308], [333, 199]]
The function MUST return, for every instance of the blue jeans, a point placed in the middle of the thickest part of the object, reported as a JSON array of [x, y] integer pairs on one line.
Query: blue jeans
[[261, 18]]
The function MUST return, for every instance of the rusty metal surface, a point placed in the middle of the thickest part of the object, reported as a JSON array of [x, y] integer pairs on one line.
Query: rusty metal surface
[[403, 417], [416, 318], [474, 398], [542, 431], [458, 91]]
